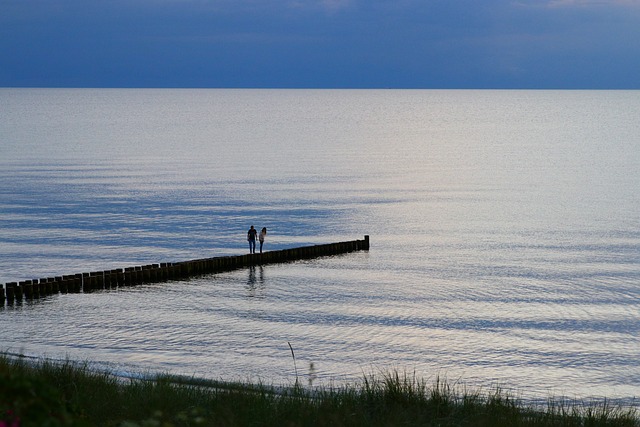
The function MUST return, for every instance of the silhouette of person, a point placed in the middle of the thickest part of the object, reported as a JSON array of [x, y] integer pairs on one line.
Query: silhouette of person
[[263, 234], [251, 237]]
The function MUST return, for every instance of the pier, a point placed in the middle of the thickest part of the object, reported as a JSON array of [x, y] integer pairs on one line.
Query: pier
[[13, 292]]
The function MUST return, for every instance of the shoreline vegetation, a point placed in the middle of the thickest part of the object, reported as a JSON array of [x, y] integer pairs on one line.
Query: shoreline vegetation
[[44, 393]]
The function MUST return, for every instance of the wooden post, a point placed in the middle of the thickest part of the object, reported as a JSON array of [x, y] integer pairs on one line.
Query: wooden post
[[66, 285], [167, 271], [146, 274], [11, 292], [129, 276], [18, 289], [85, 282], [28, 291], [156, 273], [77, 283], [119, 276], [48, 285], [138, 274], [107, 279], [55, 283]]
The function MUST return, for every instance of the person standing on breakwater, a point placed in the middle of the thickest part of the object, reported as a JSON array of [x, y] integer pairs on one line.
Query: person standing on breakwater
[[263, 234], [251, 237]]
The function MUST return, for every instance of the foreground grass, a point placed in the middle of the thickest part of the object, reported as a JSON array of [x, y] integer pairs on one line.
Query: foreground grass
[[46, 394]]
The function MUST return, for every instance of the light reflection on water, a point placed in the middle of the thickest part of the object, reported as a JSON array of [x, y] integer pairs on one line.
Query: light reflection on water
[[504, 247], [237, 325]]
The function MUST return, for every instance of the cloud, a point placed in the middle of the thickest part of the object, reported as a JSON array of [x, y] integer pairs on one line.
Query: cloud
[[320, 43], [581, 3]]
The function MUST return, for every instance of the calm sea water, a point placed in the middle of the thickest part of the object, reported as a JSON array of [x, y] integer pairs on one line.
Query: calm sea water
[[505, 233]]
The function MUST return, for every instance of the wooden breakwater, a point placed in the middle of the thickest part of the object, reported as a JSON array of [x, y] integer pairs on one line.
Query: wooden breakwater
[[13, 292]]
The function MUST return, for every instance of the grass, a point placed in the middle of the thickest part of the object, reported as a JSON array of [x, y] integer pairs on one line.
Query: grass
[[47, 394]]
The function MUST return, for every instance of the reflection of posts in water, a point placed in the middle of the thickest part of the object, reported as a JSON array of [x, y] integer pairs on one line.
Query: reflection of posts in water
[[255, 283], [251, 280], [252, 276], [13, 292]]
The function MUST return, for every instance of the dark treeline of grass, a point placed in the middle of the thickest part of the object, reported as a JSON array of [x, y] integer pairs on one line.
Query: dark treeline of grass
[[46, 394]]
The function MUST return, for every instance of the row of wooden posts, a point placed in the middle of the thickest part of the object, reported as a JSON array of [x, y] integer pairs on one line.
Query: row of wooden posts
[[109, 279]]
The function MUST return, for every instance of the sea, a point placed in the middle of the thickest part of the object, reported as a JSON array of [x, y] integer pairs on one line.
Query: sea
[[504, 228]]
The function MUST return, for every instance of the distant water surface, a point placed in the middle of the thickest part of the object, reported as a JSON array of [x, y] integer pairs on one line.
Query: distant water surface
[[505, 233]]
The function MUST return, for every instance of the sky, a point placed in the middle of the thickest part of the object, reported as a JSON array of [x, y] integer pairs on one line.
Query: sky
[[432, 44]]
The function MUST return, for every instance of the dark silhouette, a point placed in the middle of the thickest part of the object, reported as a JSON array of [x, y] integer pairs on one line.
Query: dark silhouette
[[263, 234], [251, 237]]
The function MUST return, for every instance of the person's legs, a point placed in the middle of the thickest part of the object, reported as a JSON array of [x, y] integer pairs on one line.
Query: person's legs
[[261, 243], [252, 246]]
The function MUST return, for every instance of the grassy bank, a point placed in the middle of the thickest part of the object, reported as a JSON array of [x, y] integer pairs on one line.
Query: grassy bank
[[46, 394]]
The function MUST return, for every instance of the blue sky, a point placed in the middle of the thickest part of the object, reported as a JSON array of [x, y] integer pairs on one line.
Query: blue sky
[[321, 43]]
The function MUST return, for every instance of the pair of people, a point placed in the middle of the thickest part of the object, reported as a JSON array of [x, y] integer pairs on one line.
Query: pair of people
[[252, 234]]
